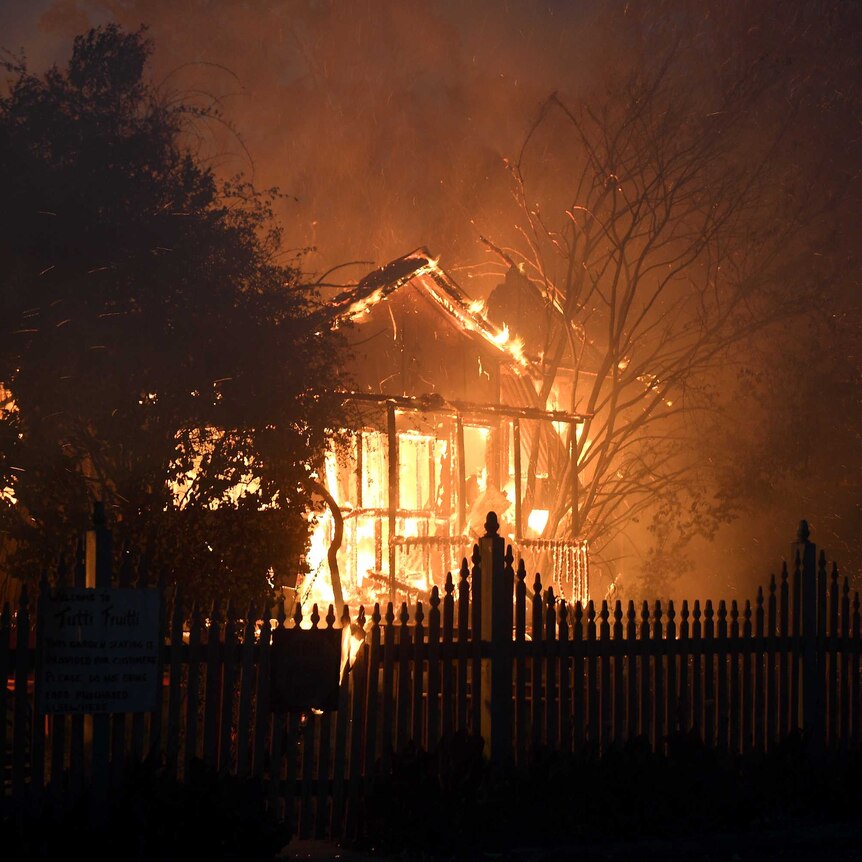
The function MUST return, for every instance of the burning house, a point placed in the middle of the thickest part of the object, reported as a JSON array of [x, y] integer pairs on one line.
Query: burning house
[[447, 430]]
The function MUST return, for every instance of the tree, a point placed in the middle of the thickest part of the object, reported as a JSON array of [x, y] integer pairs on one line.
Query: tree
[[156, 353], [668, 223]]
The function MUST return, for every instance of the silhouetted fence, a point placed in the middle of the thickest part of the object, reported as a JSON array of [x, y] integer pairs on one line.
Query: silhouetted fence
[[493, 655]]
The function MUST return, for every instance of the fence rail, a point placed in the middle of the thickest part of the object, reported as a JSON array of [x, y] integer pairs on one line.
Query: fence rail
[[492, 656]]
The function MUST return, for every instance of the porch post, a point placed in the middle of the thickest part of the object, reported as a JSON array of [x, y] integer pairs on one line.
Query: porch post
[[576, 490], [393, 493]]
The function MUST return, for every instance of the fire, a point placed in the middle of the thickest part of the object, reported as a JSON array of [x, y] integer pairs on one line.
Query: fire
[[502, 336], [538, 520], [448, 475]]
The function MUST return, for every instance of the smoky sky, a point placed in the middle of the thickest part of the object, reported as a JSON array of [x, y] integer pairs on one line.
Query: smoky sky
[[385, 124]]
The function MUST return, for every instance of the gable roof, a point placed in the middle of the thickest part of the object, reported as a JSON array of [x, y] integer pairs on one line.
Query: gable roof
[[421, 270]]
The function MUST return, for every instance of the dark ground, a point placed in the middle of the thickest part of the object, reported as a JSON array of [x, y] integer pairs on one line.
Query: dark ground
[[693, 804], [791, 842]]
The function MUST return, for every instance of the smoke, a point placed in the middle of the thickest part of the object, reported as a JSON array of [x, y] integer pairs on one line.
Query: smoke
[[386, 124]]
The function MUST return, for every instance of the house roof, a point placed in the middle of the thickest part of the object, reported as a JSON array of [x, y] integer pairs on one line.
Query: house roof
[[421, 270]]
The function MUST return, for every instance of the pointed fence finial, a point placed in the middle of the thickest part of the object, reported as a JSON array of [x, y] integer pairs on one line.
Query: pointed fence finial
[[803, 532], [492, 525]]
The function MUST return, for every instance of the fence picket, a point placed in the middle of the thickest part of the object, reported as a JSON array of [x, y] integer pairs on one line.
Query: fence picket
[[697, 672], [606, 690], [747, 739], [175, 667], [263, 719], [723, 722], [521, 711], [759, 698], [658, 697], [228, 684], [402, 712], [735, 729], [417, 677], [309, 733], [339, 757], [708, 674], [245, 702], [325, 766], [579, 698], [618, 647], [670, 645], [20, 728], [552, 706], [433, 711], [632, 713], [476, 599], [358, 711], [644, 661], [855, 688], [683, 724], [771, 656], [832, 662], [37, 744], [536, 691], [212, 690], [593, 704], [372, 699], [566, 708], [784, 723], [388, 693], [796, 655], [447, 650], [463, 645], [844, 697]]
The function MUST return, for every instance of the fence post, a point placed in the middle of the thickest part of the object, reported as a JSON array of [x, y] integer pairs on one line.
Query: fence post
[[98, 563], [810, 679], [496, 628], [99, 552]]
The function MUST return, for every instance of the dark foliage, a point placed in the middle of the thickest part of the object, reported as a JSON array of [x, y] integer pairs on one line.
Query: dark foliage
[[156, 352]]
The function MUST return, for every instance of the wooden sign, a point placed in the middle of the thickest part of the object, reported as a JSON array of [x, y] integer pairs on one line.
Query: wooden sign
[[305, 670], [98, 651]]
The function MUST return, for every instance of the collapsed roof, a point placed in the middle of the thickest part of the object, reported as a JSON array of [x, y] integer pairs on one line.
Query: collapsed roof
[[422, 270]]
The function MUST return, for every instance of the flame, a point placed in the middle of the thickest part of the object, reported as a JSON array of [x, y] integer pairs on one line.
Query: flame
[[538, 520], [410, 527], [362, 307], [502, 337], [352, 639], [316, 587]]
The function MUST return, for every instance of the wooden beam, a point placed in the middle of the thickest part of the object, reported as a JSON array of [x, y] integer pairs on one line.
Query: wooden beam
[[393, 493]]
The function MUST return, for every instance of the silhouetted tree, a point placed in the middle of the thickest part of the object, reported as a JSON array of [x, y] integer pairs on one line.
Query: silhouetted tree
[[157, 352], [669, 220]]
